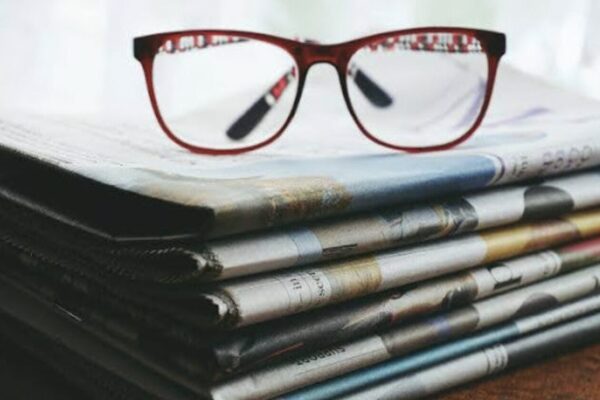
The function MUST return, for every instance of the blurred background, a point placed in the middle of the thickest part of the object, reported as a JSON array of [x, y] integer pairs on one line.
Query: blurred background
[[74, 56]]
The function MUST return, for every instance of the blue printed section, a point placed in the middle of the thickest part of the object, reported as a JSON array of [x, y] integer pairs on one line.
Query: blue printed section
[[308, 245], [419, 178], [441, 325], [382, 179], [381, 372]]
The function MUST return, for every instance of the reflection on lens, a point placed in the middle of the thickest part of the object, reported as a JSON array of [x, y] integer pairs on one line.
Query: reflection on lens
[[435, 82], [223, 92]]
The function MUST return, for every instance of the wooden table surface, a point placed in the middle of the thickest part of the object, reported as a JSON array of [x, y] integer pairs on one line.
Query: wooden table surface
[[574, 376]]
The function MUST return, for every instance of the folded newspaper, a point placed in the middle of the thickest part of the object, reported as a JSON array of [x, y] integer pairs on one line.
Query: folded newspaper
[[142, 271], [531, 130]]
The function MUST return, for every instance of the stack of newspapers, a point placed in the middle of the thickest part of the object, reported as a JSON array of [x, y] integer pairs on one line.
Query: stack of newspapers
[[321, 268]]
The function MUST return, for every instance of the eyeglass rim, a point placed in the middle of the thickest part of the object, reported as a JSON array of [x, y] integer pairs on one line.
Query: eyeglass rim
[[145, 49]]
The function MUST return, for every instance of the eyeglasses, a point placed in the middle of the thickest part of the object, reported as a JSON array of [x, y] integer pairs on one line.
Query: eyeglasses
[[228, 92]]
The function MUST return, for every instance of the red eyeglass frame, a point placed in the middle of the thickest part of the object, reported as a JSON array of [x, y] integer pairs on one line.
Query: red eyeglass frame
[[145, 49]]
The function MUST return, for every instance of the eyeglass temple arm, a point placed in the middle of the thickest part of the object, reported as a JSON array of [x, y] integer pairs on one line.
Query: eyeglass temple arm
[[257, 111]]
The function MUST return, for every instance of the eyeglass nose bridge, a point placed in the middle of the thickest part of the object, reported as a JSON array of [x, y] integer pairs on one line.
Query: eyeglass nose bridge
[[311, 54]]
